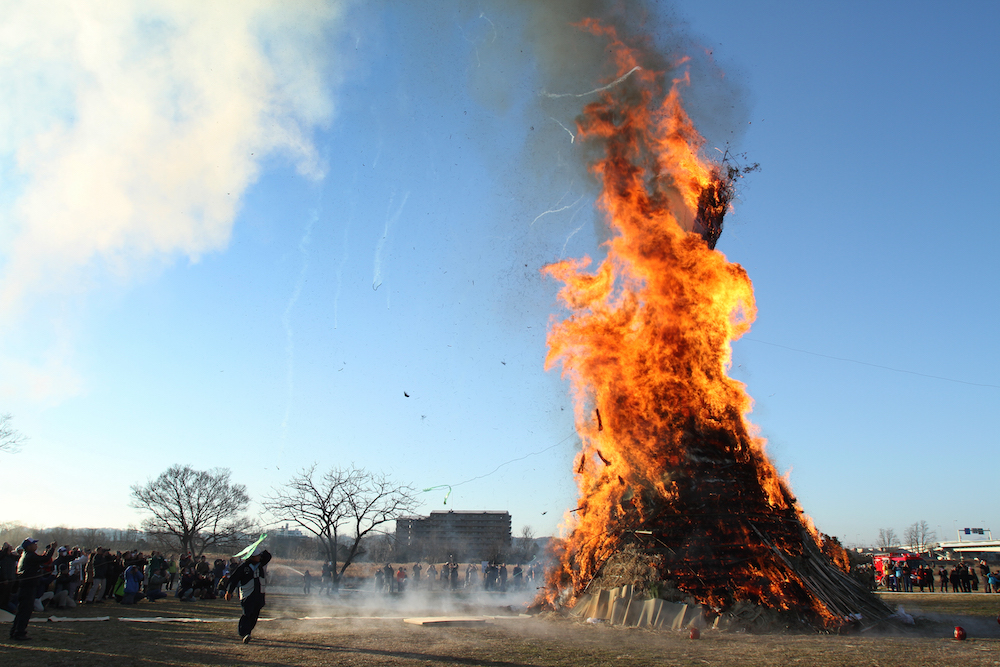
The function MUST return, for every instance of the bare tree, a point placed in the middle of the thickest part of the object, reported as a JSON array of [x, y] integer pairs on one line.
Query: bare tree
[[887, 539], [343, 501], [380, 548], [524, 545], [10, 438], [193, 509], [316, 505], [919, 536], [372, 500]]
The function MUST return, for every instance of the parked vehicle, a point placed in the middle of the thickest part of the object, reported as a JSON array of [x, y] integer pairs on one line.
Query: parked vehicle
[[885, 564]]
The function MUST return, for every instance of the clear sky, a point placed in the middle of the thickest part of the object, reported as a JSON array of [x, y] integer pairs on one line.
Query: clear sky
[[240, 236]]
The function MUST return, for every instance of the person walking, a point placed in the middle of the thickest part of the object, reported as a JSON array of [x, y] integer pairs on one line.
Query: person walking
[[29, 572], [249, 577]]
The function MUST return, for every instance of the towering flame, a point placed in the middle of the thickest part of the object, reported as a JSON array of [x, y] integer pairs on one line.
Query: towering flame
[[667, 449]]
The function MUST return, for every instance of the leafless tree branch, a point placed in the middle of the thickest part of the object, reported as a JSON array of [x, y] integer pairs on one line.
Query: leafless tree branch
[[10, 438], [194, 509], [342, 499]]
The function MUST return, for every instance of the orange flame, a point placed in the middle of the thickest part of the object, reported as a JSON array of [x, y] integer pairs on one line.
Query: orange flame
[[647, 349]]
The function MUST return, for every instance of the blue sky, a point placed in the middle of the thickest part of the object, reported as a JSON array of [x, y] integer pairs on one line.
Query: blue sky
[[235, 239]]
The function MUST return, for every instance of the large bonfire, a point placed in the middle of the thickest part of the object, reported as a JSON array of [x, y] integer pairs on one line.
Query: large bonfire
[[669, 463]]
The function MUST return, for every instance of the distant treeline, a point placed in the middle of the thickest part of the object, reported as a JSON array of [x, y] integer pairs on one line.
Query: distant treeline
[[112, 538], [293, 547]]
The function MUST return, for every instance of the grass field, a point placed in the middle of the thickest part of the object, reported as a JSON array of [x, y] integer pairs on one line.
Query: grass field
[[370, 631]]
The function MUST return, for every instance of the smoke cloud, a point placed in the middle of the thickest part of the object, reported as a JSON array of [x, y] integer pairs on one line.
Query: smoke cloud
[[133, 128]]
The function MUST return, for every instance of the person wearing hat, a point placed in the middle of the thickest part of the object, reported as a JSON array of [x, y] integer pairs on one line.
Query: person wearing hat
[[29, 572], [249, 578]]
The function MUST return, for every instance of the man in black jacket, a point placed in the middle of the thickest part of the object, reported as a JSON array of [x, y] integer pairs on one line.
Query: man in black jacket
[[249, 577], [8, 575], [29, 572]]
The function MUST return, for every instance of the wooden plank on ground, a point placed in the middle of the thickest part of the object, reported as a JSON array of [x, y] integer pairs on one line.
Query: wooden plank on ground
[[447, 621]]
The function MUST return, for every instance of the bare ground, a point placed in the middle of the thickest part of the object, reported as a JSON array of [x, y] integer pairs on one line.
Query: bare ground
[[373, 633]]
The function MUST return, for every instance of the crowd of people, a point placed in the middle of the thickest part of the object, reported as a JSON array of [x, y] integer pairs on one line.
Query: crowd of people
[[489, 576], [62, 577], [961, 578]]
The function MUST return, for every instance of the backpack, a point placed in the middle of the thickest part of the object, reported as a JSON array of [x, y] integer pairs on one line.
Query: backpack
[[119, 588]]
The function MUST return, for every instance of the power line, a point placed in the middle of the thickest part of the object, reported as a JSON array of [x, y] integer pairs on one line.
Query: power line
[[865, 363], [520, 458]]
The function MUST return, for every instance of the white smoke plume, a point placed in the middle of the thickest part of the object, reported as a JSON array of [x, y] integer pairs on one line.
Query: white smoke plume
[[133, 127]]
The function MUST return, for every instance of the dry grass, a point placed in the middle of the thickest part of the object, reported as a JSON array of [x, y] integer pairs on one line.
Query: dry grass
[[506, 642]]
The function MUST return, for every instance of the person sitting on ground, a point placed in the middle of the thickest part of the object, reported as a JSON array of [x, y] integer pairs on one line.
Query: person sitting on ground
[[61, 591], [185, 589], [133, 584], [154, 585], [205, 587]]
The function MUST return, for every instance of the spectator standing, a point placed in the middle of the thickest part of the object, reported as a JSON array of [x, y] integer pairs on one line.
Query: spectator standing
[[8, 575], [77, 567], [389, 576], [29, 573], [156, 562], [100, 580], [326, 577], [88, 576], [218, 571], [203, 569], [172, 570]]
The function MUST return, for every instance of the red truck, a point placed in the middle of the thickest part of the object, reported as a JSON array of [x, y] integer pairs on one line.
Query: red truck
[[885, 564]]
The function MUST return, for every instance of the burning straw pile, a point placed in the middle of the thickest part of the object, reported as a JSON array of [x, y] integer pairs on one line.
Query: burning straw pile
[[669, 464]]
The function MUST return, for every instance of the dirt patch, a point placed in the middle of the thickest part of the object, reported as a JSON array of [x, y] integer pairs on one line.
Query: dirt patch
[[358, 636]]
